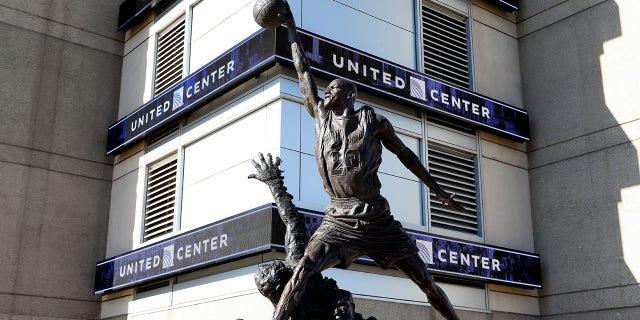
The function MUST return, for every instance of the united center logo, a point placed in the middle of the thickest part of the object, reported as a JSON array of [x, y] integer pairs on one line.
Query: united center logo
[[418, 88], [178, 98], [167, 257], [425, 250]]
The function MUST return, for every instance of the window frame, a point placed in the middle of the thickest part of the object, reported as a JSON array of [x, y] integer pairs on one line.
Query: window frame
[[170, 157], [158, 148], [461, 8], [166, 30], [183, 9], [463, 142]]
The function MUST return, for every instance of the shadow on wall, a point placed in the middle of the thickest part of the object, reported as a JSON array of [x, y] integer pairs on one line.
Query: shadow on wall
[[584, 172]]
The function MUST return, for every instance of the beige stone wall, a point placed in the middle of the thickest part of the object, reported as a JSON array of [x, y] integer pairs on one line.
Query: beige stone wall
[[579, 69], [61, 64]]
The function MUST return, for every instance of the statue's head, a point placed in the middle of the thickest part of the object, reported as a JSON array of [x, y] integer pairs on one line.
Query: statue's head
[[340, 94], [271, 279]]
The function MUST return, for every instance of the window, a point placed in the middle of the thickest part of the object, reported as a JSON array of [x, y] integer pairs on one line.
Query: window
[[445, 46], [452, 161], [456, 172], [160, 201], [170, 56]]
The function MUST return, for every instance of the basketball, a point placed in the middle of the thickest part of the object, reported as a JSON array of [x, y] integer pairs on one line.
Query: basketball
[[265, 13]]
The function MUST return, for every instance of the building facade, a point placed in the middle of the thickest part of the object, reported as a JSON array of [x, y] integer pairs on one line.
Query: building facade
[[525, 109], [202, 158]]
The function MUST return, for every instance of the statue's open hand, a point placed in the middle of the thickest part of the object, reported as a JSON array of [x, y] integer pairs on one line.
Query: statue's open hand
[[268, 169], [447, 200], [287, 17]]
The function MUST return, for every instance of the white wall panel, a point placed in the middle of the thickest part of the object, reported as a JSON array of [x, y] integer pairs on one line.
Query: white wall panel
[[208, 14], [125, 212], [312, 194], [116, 307], [239, 281], [403, 196], [290, 130], [272, 133], [364, 30], [392, 165], [232, 112], [215, 184], [222, 195], [218, 26], [396, 288], [437, 133], [403, 122], [507, 206], [514, 303], [246, 307], [492, 51], [158, 315], [307, 132], [221, 296], [401, 15], [291, 167], [136, 74], [290, 88], [152, 300], [225, 148]]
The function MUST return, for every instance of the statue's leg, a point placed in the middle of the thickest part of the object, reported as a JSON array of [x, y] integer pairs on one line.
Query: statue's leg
[[415, 268], [317, 257]]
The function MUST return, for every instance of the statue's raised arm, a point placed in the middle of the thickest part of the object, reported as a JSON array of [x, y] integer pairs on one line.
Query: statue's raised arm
[[308, 86]]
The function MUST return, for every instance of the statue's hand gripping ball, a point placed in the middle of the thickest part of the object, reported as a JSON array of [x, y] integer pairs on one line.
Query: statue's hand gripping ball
[[265, 12]]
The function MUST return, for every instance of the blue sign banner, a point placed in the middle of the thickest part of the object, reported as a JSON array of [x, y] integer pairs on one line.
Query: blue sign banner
[[260, 230], [330, 60], [245, 59], [333, 60], [242, 235]]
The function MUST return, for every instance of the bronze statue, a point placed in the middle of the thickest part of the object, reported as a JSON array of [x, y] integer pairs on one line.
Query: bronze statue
[[358, 221]]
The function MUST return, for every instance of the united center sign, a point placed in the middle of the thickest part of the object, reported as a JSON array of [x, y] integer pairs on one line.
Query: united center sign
[[330, 60]]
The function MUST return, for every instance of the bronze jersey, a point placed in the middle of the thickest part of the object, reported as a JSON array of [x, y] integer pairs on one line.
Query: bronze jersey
[[349, 154]]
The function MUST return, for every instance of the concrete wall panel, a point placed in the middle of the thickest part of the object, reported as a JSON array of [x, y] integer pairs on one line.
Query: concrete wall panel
[[217, 30], [98, 17], [586, 221], [495, 65], [63, 60], [562, 85], [135, 71], [579, 82], [506, 204]]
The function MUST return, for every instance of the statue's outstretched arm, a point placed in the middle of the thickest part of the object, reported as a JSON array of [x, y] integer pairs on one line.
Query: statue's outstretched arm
[[411, 161], [308, 87], [296, 238]]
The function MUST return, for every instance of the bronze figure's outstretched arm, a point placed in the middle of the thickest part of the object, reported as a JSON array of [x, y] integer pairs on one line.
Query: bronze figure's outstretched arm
[[308, 86], [295, 239], [410, 160]]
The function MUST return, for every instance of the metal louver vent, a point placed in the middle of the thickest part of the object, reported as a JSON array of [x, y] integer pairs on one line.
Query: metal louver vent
[[445, 47], [456, 173], [160, 199], [169, 57]]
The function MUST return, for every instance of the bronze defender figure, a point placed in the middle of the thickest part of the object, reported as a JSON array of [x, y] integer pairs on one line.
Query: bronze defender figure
[[358, 220], [323, 299]]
